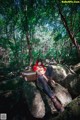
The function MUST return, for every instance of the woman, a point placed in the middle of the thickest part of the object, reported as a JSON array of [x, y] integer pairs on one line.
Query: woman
[[44, 76]]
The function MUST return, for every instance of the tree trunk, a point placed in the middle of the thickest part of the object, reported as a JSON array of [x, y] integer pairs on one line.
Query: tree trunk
[[26, 29], [74, 41], [29, 48]]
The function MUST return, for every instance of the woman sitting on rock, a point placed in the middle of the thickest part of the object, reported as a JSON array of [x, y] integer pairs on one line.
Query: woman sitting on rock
[[44, 76]]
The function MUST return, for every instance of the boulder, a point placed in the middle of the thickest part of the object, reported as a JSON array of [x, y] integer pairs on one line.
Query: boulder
[[67, 78], [72, 83], [61, 93], [34, 99], [59, 72]]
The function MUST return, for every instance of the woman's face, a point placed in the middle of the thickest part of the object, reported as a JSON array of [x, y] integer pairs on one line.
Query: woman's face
[[39, 63]]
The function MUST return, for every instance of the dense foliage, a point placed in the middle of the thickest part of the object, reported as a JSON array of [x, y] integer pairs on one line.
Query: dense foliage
[[31, 29]]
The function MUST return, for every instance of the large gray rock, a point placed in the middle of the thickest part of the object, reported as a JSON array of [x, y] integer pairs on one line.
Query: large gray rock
[[67, 78], [34, 100], [61, 93], [59, 72], [72, 83]]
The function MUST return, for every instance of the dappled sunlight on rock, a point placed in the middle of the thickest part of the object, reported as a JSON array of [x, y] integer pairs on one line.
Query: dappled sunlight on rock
[[34, 100], [61, 93], [38, 107], [59, 73]]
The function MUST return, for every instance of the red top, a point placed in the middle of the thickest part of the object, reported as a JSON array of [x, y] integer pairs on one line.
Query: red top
[[35, 67]]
